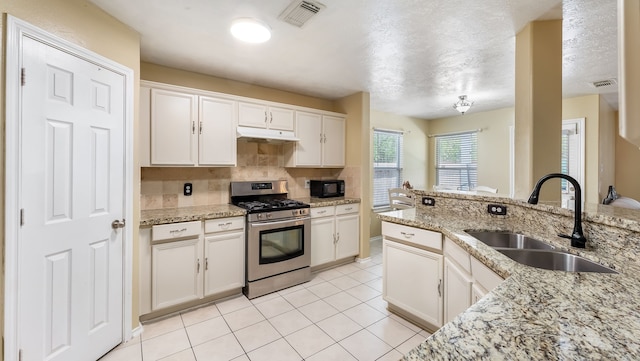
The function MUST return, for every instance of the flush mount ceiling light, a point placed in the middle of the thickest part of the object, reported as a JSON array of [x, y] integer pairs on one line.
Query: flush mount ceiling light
[[463, 104], [250, 30]]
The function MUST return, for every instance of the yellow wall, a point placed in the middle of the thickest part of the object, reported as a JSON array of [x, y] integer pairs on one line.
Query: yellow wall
[[493, 144], [358, 158], [82, 23], [163, 74], [415, 152], [587, 107], [627, 169]]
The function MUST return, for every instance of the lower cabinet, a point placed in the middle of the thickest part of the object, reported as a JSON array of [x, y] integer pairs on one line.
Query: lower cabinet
[[466, 280], [189, 261], [427, 280], [412, 281], [335, 233]]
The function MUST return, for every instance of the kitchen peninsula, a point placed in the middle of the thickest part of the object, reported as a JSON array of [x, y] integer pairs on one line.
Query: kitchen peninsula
[[535, 313]]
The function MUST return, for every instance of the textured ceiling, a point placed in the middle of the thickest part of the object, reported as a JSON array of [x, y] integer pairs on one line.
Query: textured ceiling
[[413, 56]]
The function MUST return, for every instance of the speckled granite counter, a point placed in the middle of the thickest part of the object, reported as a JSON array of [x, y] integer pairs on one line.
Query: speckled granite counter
[[537, 314], [325, 202], [186, 214]]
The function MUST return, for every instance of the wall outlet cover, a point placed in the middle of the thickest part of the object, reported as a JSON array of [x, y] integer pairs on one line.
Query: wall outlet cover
[[307, 184], [497, 209], [188, 189], [428, 201]]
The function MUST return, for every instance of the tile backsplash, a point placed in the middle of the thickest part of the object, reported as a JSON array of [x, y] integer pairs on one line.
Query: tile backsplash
[[162, 187]]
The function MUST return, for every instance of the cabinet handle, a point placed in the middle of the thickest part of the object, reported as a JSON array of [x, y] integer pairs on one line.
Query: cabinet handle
[[440, 288], [224, 224], [325, 138], [198, 268], [334, 239], [200, 127], [348, 209], [206, 264], [322, 212], [407, 235], [193, 127], [338, 235], [271, 115], [320, 137], [174, 231], [265, 116]]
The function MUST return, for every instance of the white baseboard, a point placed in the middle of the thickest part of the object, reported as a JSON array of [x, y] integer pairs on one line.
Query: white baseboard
[[363, 260], [137, 331], [376, 238]]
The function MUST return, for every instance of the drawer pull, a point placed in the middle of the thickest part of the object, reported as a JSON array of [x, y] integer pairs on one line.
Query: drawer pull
[[322, 212], [224, 224], [174, 231], [348, 209], [407, 235], [206, 263], [440, 288], [198, 269]]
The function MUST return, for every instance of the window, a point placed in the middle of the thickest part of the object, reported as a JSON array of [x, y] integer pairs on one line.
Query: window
[[387, 165], [457, 160]]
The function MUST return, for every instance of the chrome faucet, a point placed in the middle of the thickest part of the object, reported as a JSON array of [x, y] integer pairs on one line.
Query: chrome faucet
[[577, 237]]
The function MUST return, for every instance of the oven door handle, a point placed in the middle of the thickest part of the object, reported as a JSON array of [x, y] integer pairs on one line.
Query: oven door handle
[[270, 224]]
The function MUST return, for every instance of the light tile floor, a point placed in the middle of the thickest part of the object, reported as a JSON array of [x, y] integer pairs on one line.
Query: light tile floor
[[338, 315]]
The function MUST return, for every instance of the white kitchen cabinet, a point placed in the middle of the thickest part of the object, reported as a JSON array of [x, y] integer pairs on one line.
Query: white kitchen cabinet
[[335, 233], [191, 261], [224, 255], [263, 116], [217, 132], [412, 281], [322, 141], [467, 280], [176, 272], [173, 128], [180, 128], [457, 290]]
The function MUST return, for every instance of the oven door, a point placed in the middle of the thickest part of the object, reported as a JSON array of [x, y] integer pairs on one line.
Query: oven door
[[277, 247]]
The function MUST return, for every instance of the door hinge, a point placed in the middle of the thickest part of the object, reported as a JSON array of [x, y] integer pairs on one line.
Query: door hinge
[[23, 77], [21, 217]]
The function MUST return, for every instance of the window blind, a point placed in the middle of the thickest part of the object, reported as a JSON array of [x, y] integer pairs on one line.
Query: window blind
[[387, 164], [457, 160]]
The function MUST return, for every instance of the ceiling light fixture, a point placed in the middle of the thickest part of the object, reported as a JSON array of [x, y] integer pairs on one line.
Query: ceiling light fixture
[[463, 104], [250, 30]]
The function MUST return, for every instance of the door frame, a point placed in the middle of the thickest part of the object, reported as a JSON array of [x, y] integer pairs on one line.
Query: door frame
[[16, 29]]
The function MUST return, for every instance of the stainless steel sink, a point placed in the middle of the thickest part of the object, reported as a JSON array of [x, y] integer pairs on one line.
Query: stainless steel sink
[[553, 260], [499, 239]]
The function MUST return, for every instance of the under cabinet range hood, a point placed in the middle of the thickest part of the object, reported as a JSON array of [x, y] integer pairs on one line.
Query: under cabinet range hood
[[266, 135]]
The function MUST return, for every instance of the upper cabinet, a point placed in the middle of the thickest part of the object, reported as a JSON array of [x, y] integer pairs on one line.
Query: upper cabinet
[[263, 116], [186, 129], [190, 127], [322, 141]]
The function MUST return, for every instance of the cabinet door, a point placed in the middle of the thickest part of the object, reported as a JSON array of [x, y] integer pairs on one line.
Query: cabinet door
[[224, 262], [308, 151], [333, 141], [280, 118], [217, 133], [176, 272], [412, 281], [322, 240], [173, 128], [347, 235], [252, 115], [457, 290]]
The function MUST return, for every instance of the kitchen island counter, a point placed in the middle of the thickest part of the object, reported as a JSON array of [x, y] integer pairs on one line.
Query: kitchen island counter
[[537, 314]]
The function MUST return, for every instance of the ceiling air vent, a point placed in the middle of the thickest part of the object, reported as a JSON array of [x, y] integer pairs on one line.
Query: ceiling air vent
[[299, 12], [604, 83]]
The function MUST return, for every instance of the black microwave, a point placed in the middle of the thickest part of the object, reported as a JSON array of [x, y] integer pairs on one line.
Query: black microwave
[[327, 188]]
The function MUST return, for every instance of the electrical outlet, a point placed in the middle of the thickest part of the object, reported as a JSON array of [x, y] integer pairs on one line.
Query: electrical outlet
[[188, 189], [307, 184], [428, 201], [497, 209]]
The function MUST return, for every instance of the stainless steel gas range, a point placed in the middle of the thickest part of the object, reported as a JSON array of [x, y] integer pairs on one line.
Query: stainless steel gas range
[[278, 240]]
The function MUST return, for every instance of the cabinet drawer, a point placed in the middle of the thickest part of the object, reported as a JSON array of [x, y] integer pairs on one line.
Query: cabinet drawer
[[417, 236], [484, 275], [223, 224], [175, 230], [347, 208], [456, 253], [322, 211]]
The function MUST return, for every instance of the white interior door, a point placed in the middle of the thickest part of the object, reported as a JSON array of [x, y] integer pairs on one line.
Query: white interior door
[[71, 189]]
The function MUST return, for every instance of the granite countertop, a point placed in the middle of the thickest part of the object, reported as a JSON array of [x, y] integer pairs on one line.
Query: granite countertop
[[535, 314], [325, 202], [185, 214]]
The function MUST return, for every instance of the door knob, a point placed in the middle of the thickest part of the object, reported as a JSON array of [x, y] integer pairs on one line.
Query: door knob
[[118, 224]]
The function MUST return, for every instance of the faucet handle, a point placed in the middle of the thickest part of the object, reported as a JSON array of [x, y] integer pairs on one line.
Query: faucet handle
[[564, 236]]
